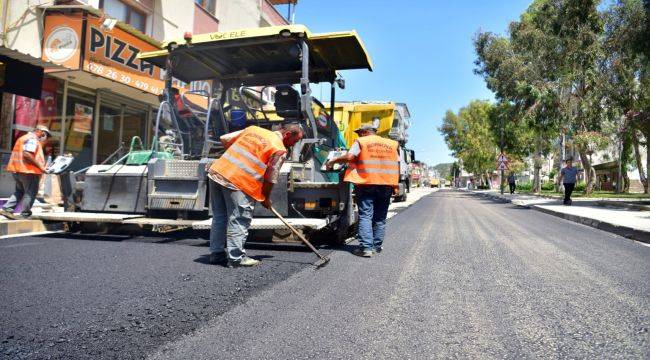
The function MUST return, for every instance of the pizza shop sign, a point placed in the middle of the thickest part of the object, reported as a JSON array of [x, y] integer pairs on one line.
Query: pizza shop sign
[[111, 54]]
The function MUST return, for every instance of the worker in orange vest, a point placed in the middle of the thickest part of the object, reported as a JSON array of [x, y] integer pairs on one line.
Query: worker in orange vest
[[245, 173], [373, 168], [27, 163]]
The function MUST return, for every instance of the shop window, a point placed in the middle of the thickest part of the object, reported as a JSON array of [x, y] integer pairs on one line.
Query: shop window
[[21, 114], [208, 5], [79, 124], [125, 13], [110, 123]]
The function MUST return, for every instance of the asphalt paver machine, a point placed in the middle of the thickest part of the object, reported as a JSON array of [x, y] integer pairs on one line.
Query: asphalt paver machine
[[168, 181]]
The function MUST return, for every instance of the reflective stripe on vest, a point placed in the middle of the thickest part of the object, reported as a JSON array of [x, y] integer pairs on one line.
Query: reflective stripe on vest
[[244, 162], [244, 167], [376, 164], [249, 156], [16, 163], [377, 171]]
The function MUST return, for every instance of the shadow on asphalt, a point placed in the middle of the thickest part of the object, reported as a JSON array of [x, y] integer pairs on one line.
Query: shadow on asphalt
[[515, 207], [205, 260], [88, 237]]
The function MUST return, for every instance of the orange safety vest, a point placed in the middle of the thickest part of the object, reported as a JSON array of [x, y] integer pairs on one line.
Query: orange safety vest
[[18, 165], [244, 163], [376, 164]]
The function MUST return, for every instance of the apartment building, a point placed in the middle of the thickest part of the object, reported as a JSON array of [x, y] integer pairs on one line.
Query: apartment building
[[71, 65]]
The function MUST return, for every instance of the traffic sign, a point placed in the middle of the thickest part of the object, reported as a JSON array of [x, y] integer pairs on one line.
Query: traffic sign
[[502, 165], [502, 158]]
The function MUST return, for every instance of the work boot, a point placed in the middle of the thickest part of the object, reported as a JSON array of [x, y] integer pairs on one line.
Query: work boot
[[244, 262], [218, 258], [8, 214], [363, 252]]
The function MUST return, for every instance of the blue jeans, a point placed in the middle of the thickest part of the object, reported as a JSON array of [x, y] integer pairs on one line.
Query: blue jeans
[[232, 212], [373, 201], [25, 193]]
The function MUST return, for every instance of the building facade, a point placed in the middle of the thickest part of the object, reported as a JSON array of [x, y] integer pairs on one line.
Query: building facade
[[84, 80]]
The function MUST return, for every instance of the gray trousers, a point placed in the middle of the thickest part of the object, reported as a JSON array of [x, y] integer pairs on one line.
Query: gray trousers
[[232, 213], [26, 190]]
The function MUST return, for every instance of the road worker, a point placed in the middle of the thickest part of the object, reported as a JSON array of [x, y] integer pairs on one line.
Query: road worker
[[245, 173], [27, 163], [373, 168]]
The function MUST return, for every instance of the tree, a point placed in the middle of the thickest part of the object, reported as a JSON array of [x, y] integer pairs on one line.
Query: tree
[[625, 68], [467, 134], [565, 65], [521, 70]]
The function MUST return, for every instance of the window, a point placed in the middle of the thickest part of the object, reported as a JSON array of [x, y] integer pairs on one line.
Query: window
[[125, 13], [208, 5]]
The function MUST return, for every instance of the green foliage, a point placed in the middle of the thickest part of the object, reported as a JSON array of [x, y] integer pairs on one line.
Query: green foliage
[[525, 186], [580, 186], [548, 186], [591, 140]]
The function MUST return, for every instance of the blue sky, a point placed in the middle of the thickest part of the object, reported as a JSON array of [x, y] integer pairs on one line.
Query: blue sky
[[422, 52]]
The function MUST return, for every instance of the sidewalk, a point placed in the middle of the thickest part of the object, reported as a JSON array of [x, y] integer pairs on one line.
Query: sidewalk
[[629, 223]]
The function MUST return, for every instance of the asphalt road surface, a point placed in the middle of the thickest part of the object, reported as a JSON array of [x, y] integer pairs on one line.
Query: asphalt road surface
[[461, 277]]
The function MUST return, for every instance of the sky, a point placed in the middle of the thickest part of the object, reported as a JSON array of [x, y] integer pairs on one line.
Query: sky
[[422, 54]]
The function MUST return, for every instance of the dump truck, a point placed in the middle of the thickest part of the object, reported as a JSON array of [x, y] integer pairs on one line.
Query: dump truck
[[392, 121], [165, 184]]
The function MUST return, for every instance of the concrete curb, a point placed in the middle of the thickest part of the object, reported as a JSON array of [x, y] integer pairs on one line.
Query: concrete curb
[[624, 231], [27, 227]]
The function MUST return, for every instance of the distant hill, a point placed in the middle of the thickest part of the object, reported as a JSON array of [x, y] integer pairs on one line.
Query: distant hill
[[443, 169]]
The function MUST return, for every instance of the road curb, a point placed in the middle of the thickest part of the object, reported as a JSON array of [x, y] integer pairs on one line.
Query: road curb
[[26, 227], [624, 231]]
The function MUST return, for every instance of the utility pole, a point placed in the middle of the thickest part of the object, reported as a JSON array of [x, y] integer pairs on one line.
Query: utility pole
[[562, 157], [619, 179], [501, 146]]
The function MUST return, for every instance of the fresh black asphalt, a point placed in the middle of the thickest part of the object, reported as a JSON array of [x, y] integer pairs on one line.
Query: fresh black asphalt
[[461, 277], [73, 297]]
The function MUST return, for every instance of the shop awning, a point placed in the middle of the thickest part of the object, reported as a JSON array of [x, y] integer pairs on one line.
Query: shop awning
[[263, 56], [22, 74], [606, 166], [17, 55]]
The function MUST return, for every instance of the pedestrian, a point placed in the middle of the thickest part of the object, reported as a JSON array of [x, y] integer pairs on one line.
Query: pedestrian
[[374, 170], [245, 173], [512, 182], [27, 163], [568, 176]]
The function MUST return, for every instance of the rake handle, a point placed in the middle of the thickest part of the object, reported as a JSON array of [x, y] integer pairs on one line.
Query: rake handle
[[295, 232]]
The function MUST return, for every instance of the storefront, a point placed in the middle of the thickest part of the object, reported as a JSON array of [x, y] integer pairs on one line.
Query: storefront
[[98, 98]]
